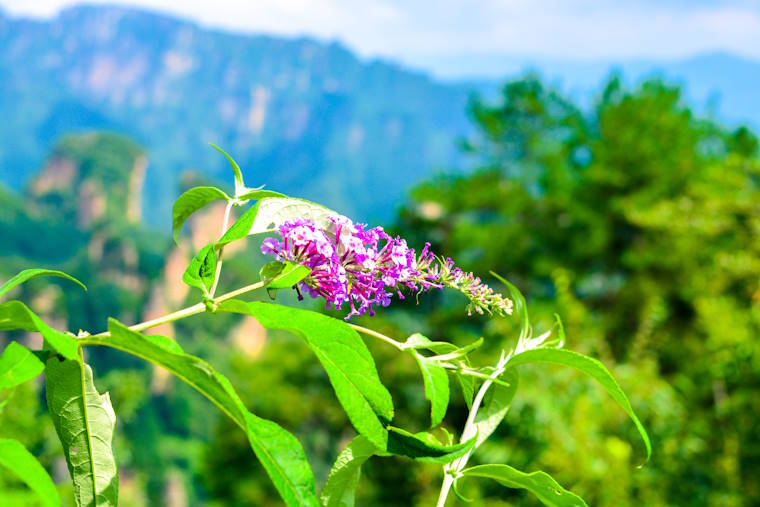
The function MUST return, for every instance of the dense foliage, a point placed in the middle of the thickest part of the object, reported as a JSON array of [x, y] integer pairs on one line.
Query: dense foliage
[[640, 224]]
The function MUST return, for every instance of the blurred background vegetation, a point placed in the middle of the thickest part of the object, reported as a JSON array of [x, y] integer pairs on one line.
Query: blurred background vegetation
[[634, 218]]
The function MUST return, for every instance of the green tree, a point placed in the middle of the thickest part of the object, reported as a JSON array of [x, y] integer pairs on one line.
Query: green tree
[[640, 222]]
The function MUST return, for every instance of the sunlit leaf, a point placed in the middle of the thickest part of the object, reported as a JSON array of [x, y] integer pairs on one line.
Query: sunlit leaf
[[18, 365], [85, 421], [278, 450], [540, 484], [343, 355], [340, 489], [436, 383], [20, 462], [271, 212], [283, 275], [256, 194], [29, 274], [202, 269], [16, 315], [191, 201], [591, 367]]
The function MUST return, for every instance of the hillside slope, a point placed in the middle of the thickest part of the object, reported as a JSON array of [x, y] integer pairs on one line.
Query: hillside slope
[[301, 116]]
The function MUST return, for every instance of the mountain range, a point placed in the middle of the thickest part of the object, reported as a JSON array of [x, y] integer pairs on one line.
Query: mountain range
[[302, 116]]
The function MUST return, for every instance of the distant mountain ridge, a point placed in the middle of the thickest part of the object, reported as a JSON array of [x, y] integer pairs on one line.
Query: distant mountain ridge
[[305, 117], [301, 116]]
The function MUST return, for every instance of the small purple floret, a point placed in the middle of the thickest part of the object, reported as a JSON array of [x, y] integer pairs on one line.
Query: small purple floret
[[349, 265]]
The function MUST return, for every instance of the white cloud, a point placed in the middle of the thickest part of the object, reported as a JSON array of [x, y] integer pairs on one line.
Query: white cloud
[[421, 31]]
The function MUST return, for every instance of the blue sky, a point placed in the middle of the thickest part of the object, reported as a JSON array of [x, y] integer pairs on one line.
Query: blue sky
[[450, 37]]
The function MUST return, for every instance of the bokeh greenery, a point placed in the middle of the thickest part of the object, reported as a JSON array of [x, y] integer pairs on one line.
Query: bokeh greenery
[[635, 220]]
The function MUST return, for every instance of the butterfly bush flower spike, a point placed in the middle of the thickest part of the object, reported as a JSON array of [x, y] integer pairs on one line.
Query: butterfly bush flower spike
[[366, 267]]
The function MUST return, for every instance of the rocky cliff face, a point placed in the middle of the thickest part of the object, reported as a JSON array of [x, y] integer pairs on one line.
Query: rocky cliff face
[[92, 177], [304, 117], [92, 183]]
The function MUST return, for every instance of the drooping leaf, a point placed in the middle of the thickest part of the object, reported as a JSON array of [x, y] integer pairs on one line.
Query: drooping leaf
[[191, 201], [278, 450], [28, 274], [424, 446], [591, 367], [495, 406], [340, 489], [202, 269], [239, 184], [436, 383], [540, 484], [343, 355], [17, 460], [18, 365], [271, 212], [467, 382], [16, 315], [283, 275], [85, 421]]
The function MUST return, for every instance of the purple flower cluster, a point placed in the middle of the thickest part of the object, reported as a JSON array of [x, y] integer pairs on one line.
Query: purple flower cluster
[[349, 264]]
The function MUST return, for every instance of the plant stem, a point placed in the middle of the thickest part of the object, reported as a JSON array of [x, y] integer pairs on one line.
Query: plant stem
[[219, 259], [381, 336], [469, 431], [190, 310]]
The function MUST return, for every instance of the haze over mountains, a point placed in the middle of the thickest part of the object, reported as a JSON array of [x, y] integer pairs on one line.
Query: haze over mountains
[[305, 117]]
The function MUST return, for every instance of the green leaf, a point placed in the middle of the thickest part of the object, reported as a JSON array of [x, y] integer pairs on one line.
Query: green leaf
[[540, 484], [18, 365], [256, 194], [85, 422], [591, 367], [436, 382], [421, 342], [467, 382], [340, 489], [28, 274], [190, 202], [244, 194], [283, 275], [19, 461], [278, 450], [424, 446], [495, 406], [345, 473], [239, 184], [202, 269], [344, 357], [271, 212], [15, 315]]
